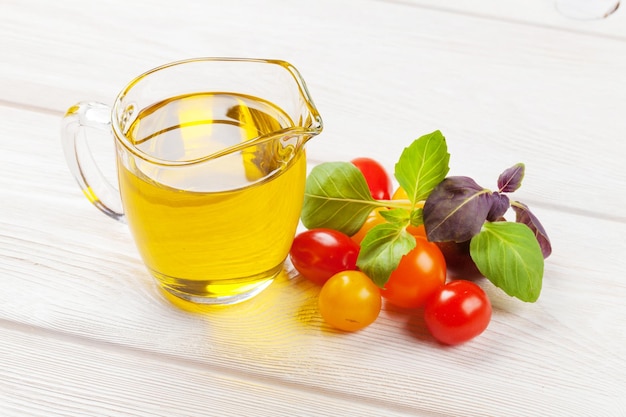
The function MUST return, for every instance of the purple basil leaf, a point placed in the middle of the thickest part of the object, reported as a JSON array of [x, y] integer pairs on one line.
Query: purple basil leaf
[[511, 179], [456, 210], [499, 206], [523, 215]]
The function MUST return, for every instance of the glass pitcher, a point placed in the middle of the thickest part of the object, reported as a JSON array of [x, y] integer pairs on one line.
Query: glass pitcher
[[211, 170]]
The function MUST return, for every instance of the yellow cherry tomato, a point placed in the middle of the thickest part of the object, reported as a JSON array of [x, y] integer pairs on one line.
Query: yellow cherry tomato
[[400, 194], [350, 301], [373, 219]]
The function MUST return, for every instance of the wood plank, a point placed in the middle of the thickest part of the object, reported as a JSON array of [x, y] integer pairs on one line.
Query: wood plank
[[398, 75], [64, 265], [541, 13], [84, 330], [46, 373]]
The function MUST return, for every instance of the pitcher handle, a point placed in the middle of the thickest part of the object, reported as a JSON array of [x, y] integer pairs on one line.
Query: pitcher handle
[[75, 139]]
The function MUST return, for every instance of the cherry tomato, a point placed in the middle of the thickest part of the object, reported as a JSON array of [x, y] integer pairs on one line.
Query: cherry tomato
[[400, 194], [377, 179], [458, 260], [349, 301], [458, 312], [419, 275], [373, 219], [417, 231], [318, 254]]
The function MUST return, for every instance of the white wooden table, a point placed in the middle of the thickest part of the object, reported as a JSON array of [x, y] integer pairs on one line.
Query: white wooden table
[[84, 330]]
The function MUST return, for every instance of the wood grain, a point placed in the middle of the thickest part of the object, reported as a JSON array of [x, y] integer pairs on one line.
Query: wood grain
[[45, 375], [86, 282], [85, 331], [541, 13], [503, 99]]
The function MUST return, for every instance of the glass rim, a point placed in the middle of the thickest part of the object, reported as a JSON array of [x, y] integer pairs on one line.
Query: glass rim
[[314, 129]]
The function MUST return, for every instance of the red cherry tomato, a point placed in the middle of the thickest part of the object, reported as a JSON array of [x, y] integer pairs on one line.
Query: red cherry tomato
[[457, 312], [376, 177], [318, 254], [419, 275]]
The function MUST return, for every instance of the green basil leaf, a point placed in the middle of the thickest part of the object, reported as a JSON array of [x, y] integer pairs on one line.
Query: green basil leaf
[[336, 196], [381, 251], [423, 165], [400, 216], [417, 217], [508, 254]]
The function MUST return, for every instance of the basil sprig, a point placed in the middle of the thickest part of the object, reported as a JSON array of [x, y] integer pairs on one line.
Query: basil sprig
[[510, 254]]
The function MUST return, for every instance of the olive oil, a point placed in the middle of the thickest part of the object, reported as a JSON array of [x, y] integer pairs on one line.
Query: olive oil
[[183, 215]]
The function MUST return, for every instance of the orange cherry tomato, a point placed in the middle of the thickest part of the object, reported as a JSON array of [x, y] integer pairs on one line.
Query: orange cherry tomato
[[419, 231], [373, 219], [419, 275], [349, 301]]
